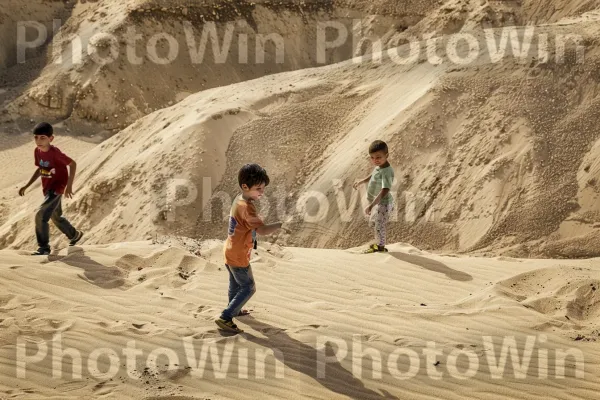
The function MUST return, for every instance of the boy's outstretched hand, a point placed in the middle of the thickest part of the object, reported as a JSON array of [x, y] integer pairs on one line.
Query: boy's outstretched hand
[[69, 192], [357, 183], [22, 191]]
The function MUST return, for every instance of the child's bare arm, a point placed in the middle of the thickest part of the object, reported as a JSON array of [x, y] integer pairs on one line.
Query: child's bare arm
[[35, 176], [376, 200], [72, 171], [361, 181], [268, 229]]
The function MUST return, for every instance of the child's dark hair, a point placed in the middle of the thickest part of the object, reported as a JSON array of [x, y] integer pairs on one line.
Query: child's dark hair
[[252, 174], [378, 145], [43, 128]]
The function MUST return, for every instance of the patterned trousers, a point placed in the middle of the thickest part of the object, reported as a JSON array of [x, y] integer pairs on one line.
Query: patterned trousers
[[379, 218]]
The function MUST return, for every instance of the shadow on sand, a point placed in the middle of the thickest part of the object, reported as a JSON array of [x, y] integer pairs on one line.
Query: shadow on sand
[[432, 265]]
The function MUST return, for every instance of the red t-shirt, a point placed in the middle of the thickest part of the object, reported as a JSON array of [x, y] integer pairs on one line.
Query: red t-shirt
[[53, 169]]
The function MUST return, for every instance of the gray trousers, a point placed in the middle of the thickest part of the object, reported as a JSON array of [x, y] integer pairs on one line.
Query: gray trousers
[[51, 210]]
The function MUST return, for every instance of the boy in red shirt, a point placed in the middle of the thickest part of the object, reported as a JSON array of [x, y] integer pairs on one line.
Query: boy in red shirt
[[56, 180], [243, 222]]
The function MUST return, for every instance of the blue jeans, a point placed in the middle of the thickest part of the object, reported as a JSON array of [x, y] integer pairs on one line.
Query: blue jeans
[[51, 210], [241, 288]]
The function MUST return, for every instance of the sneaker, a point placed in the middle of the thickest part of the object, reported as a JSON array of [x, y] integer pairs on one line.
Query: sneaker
[[228, 326], [41, 252], [77, 238], [374, 248]]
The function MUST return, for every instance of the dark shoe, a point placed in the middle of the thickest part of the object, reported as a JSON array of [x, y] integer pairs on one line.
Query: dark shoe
[[41, 252], [228, 326], [77, 238]]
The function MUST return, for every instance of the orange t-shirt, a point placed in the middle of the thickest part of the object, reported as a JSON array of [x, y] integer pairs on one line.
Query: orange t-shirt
[[242, 221]]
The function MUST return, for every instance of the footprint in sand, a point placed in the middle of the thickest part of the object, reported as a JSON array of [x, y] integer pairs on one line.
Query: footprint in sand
[[28, 306], [477, 349], [104, 388], [404, 342], [140, 329], [305, 328], [84, 310], [61, 326], [370, 337], [277, 251], [210, 334], [70, 386], [16, 393], [188, 307], [5, 299], [131, 262], [362, 292], [172, 258], [43, 327], [263, 262], [271, 331], [174, 398], [553, 324], [413, 251], [205, 312], [176, 375], [148, 329], [203, 309], [114, 328], [104, 277]]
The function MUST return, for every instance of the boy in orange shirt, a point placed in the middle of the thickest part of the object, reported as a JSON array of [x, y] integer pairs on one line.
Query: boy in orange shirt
[[243, 221]]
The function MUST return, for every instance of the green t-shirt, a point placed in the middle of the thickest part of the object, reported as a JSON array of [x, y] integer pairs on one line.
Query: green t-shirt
[[381, 178]]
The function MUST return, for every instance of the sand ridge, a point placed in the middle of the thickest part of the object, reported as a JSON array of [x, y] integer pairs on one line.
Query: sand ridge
[[163, 296]]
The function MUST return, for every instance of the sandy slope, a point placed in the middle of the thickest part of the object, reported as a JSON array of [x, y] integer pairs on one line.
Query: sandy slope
[[495, 158], [162, 296], [485, 156], [92, 96], [72, 86]]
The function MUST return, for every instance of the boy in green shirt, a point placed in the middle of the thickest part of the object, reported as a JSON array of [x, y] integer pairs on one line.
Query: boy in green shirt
[[381, 202]]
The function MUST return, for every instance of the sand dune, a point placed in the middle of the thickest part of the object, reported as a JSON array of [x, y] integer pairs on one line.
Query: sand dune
[[92, 97], [486, 156], [163, 296], [483, 165]]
